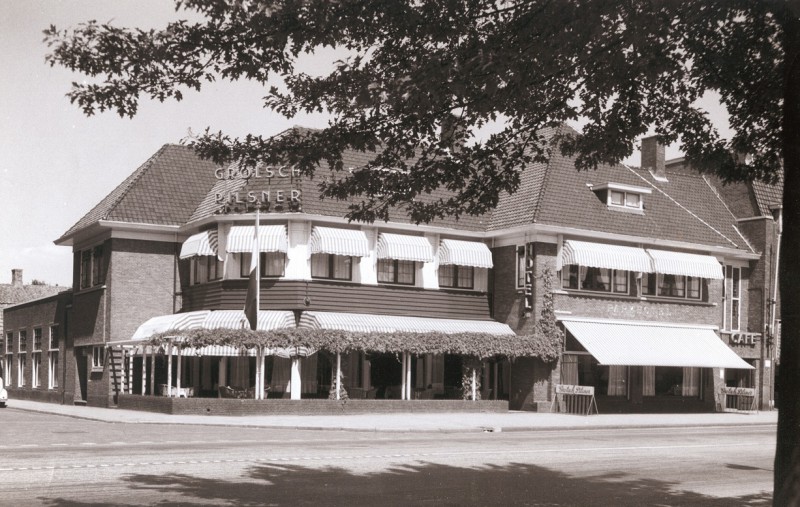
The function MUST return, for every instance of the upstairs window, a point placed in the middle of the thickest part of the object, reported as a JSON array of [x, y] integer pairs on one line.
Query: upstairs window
[[457, 277], [23, 341], [37, 339], [396, 271], [273, 264], [622, 197], [98, 357], [595, 279], [672, 286], [207, 268], [92, 267], [331, 267]]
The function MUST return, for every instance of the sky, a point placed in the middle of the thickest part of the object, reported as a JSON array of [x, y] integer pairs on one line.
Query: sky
[[56, 164]]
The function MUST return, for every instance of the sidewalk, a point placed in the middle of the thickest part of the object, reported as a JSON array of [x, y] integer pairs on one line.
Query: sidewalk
[[435, 422]]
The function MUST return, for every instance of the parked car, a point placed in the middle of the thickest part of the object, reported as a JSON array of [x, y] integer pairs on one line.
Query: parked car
[[3, 394]]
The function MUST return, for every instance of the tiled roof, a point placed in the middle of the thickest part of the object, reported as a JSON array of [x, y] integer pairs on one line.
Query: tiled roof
[[683, 209], [769, 196], [164, 190], [13, 295]]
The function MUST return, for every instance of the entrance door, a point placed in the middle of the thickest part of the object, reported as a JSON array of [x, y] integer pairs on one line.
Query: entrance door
[[83, 376]]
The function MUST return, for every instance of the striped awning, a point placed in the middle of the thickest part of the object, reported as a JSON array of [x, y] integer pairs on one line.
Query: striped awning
[[404, 248], [363, 322], [271, 238], [330, 240], [465, 253], [599, 255], [202, 243], [632, 343], [678, 263]]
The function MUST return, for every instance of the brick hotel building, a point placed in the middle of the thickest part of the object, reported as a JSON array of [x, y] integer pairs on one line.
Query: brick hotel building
[[663, 284]]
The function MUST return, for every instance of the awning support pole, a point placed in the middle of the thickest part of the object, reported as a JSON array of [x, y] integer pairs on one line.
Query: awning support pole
[[260, 375], [338, 374], [169, 370], [474, 375]]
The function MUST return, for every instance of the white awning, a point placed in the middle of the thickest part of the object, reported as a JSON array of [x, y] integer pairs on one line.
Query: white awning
[[329, 240], [271, 238], [465, 253], [363, 322], [173, 322], [632, 343], [678, 263], [404, 248], [599, 255], [202, 243]]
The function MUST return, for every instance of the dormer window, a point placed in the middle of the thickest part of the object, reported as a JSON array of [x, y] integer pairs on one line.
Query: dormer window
[[621, 197]]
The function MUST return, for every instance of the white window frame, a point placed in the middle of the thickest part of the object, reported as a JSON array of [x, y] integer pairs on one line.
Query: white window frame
[[396, 272], [330, 260], [21, 360], [52, 358], [732, 301], [457, 272], [92, 274], [565, 270], [37, 339], [98, 357], [36, 364]]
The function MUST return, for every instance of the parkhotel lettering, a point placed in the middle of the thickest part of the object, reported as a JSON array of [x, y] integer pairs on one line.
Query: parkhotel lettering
[[264, 196]]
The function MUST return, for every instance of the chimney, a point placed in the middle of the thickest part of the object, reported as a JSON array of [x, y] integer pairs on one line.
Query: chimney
[[653, 157], [16, 277]]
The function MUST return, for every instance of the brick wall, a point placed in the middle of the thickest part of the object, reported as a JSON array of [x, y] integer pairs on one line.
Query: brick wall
[[232, 407]]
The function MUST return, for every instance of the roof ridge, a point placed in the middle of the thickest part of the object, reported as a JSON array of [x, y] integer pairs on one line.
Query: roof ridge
[[690, 212]]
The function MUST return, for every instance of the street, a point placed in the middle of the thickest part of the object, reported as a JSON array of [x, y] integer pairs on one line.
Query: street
[[54, 460]]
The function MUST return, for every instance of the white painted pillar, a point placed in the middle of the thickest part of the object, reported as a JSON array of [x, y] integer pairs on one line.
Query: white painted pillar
[[338, 374], [495, 385], [178, 381], [262, 375], [129, 353], [169, 370], [403, 380], [295, 382], [409, 386], [485, 375], [474, 376], [144, 370], [223, 374], [366, 372], [152, 372]]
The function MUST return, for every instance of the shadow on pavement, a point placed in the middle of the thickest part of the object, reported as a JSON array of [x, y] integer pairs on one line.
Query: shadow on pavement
[[418, 484]]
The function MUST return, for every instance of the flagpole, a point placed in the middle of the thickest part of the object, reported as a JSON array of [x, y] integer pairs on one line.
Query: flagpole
[[259, 362]]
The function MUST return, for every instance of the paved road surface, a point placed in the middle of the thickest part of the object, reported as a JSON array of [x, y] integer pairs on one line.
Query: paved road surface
[[52, 460]]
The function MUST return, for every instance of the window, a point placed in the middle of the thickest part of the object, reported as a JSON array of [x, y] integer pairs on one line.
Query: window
[[334, 267], [520, 267], [272, 264], [672, 286], [624, 199], [396, 271], [732, 297], [37, 339], [23, 341], [459, 277], [92, 267], [98, 356], [9, 356], [52, 359], [36, 361], [207, 268], [595, 279], [9, 342], [21, 360]]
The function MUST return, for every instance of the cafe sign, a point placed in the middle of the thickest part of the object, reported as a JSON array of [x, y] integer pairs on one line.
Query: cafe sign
[[252, 197], [738, 391], [570, 389]]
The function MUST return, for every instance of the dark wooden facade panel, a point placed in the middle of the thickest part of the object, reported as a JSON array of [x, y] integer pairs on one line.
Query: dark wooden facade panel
[[340, 297]]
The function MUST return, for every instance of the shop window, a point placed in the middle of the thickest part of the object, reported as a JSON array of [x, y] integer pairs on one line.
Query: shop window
[[396, 271], [672, 286], [668, 380], [98, 357], [458, 277], [273, 264], [736, 377], [595, 279], [92, 267], [36, 362], [52, 359], [206, 268], [331, 267]]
